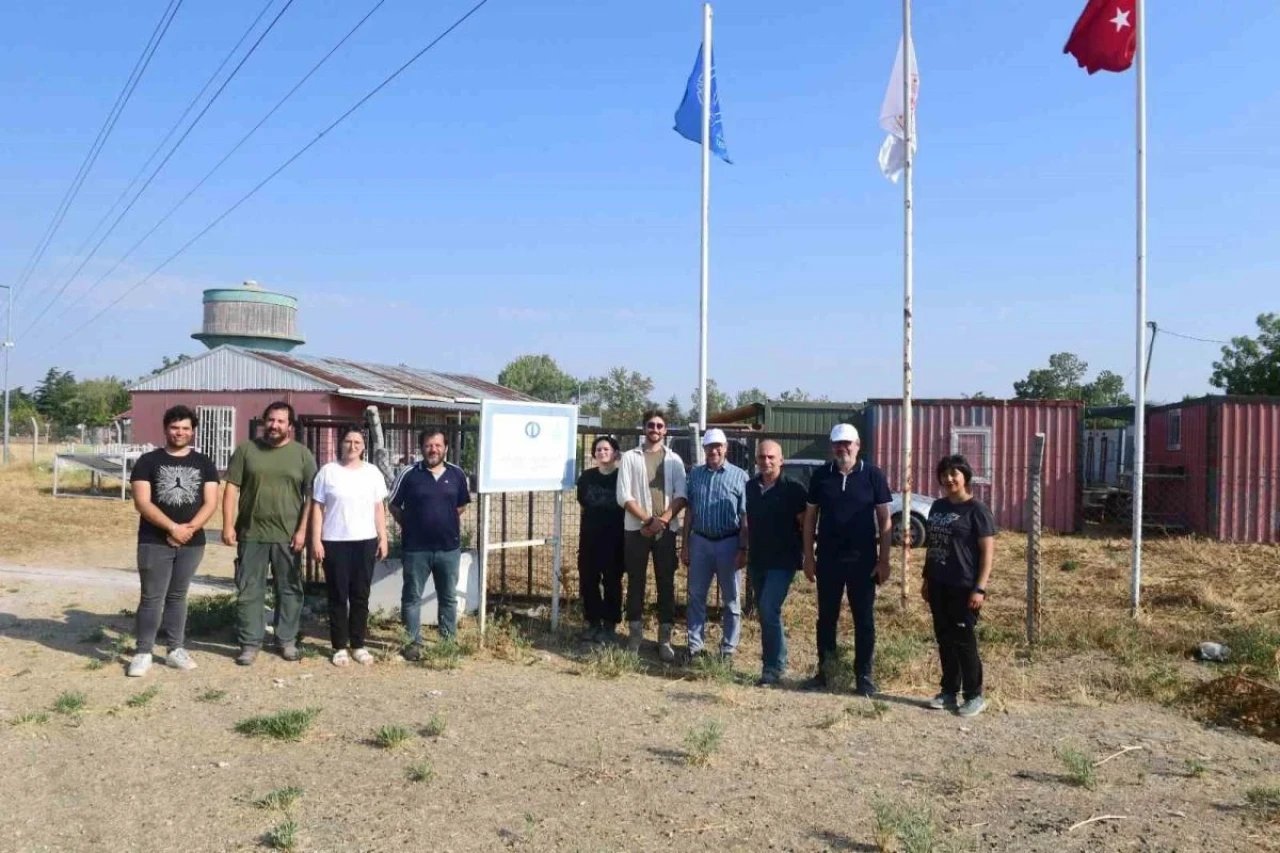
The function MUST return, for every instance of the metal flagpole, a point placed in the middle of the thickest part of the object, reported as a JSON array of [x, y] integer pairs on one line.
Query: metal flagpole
[[1140, 372], [706, 204], [907, 273], [8, 345]]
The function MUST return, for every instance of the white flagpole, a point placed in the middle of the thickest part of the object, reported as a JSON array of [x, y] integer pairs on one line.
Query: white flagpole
[[1140, 371], [706, 206], [907, 275]]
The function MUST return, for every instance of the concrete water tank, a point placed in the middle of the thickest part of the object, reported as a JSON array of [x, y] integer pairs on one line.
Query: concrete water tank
[[250, 317]]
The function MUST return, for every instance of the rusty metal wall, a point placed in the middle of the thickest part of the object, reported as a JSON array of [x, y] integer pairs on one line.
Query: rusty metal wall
[[1247, 462], [1178, 482], [996, 436]]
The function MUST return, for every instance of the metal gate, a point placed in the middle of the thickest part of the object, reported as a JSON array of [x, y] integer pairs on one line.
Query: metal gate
[[216, 434]]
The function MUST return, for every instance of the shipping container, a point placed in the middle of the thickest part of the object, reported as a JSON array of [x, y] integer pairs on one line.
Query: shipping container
[[1213, 467], [996, 436], [785, 417]]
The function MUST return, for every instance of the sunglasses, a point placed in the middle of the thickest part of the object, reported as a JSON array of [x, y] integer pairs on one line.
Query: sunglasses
[[655, 425]]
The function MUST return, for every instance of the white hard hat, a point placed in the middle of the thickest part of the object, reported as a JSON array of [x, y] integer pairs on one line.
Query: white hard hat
[[844, 432], [713, 436]]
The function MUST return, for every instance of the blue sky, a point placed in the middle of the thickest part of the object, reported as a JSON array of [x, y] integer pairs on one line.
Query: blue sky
[[520, 189]]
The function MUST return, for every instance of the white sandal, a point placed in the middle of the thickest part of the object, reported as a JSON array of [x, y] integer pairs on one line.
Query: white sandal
[[362, 656], [341, 658]]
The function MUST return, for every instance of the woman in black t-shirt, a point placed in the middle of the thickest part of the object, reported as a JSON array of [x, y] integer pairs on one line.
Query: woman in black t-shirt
[[600, 543], [960, 548]]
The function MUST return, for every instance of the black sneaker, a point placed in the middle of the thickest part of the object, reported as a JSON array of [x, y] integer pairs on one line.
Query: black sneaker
[[590, 634], [769, 679], [817, 682], [412, 652], [866, 687]]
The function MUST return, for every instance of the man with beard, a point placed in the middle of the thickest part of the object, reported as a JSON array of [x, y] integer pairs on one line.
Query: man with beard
[[854, 540], [264, 516], [427, 501]]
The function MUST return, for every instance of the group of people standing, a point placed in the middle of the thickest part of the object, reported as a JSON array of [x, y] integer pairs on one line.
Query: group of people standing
[[275, 502], [837, 531]]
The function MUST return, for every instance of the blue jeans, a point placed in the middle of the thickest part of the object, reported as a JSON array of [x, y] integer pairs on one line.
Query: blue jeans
[[709, 560], [771, 587], [442, 568]]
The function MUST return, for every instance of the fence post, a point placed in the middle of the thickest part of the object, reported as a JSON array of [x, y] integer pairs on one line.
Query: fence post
[[555, 560], [1034, 511]]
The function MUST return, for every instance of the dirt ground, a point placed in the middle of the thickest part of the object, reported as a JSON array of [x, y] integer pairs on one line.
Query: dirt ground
[[543, 750]]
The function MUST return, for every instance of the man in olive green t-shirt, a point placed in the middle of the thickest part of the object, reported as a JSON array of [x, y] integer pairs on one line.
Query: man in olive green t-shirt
[[264, 516]]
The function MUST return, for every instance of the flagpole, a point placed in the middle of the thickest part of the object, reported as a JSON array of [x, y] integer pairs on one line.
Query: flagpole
[[1140, 371], [706, 206], [907, 275]]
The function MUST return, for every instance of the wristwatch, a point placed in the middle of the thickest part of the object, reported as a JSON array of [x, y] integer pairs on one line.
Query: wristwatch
[[980, 591]]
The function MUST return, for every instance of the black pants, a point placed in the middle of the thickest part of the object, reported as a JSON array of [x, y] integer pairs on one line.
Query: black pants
[[600, 567], [836, 579], [638, 547], [348, 574], [953, 625]]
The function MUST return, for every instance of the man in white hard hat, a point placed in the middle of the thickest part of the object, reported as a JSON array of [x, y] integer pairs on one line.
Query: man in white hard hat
[[714, 544], [854, 542]]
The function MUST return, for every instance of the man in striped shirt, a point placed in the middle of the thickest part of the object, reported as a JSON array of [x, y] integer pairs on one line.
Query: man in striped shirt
[[715, 543]]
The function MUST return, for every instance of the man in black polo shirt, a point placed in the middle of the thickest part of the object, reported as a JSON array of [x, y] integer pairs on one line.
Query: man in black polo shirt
[[427, 500], [775, 512], [848, 510]]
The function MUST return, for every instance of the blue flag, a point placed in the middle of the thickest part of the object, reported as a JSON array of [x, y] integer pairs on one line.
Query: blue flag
[[689, 113]]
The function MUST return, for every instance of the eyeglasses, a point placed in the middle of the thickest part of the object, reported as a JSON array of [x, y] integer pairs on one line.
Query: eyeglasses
[[655, 425]]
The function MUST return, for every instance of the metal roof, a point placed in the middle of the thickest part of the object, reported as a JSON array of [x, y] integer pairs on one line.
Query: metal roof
[[233, 368]]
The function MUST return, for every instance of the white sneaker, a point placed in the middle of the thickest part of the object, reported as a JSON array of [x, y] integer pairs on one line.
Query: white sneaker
[[362, 656], [179, 659], [341, 658], [139, 665]]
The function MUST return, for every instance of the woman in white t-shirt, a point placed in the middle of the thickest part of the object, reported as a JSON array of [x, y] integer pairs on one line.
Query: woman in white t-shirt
[[349, 535]]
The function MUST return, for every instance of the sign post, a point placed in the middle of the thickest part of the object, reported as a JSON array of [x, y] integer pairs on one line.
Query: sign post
[[525, 447]]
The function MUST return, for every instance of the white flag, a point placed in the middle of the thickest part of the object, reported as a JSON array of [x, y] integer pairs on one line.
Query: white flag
[[893, 155]]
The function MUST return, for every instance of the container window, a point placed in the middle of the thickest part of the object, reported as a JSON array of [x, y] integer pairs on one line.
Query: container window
[[974, 443], [1173, 430]]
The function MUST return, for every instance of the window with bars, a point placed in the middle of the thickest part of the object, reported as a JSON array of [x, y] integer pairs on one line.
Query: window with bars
[[974, 444], [1173, 430], [216, 434]]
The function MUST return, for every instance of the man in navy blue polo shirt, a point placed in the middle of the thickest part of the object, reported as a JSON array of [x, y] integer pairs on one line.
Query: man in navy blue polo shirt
[[427, 500], [848, 511]]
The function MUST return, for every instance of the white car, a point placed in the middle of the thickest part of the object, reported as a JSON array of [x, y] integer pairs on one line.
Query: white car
[[801, 470]]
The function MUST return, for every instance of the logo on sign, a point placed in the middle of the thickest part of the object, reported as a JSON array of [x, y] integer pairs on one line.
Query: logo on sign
[[533, 429]]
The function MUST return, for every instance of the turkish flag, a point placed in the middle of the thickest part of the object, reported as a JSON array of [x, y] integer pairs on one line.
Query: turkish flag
[[1104, 38]]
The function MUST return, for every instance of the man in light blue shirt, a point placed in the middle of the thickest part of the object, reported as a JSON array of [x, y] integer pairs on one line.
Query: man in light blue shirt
[[715, 543]]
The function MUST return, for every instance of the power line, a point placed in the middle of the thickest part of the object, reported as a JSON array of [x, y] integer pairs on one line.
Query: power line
[[358, 104], [108, 124], [160, 147], [158, 168], [1165, 331], [225, 157]]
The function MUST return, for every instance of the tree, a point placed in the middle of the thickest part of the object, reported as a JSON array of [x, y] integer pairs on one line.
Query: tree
[[54, 396], [675, 415], [22, 408], [541, 378], [97, 401], [717, 401], [170, 362], [976, 395], [623, 396], [1061, 380], [799, 395], [749, 396], [1251, 366], [1107, 389]]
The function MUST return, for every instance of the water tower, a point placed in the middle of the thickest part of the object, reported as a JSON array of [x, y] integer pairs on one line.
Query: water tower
[[249, 317]]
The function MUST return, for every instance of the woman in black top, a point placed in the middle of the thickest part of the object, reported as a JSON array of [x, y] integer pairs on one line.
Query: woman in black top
[[961, 544], [600, 543]]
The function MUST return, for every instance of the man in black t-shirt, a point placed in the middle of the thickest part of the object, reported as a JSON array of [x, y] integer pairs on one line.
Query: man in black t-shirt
[[175, 490], [848, 517]]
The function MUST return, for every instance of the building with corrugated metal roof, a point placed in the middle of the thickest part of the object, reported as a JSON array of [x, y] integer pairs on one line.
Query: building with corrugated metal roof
[[1213, 467], [229, 386]]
